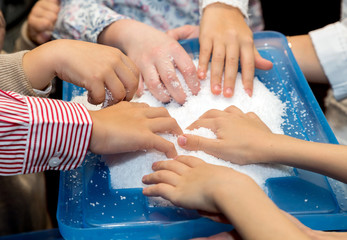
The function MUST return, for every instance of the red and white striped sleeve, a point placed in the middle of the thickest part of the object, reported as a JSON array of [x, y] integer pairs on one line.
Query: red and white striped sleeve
[[38, 134]]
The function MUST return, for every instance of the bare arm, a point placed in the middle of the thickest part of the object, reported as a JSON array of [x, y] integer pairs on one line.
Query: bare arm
[[191, 183], [307, 59], [245, 139], [327, 159]]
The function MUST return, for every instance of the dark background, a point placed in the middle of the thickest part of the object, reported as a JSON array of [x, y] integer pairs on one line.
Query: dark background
[[297, 17]]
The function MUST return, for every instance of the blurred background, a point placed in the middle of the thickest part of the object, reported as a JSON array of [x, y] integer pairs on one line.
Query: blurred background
[[15, 13]]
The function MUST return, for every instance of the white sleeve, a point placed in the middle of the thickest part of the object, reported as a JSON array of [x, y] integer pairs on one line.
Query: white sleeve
[[240, 4], [330, 43]]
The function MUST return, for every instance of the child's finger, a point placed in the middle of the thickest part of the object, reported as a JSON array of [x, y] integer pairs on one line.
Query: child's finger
[[188, 70], [197, 143], [116, 87], [96, 92], [171, 165], [162, 145], [230, 69], [165, 125], [234, 110], [204, 56], [168, 76], [161, 189], [161, 176], [205, 122], [247, 68], [182, 32], [40, 24], [217, 67], [153, 83], [128, 79], [260, 62], [190, 161]]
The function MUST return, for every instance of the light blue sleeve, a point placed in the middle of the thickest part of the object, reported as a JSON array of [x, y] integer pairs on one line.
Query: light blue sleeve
[[83, 20]]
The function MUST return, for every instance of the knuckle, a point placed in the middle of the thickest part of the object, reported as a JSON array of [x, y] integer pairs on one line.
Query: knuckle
[[248, 41], [231, 34], [218, 57], [251, 115], [152, 84], [204, 50], [232, 60]]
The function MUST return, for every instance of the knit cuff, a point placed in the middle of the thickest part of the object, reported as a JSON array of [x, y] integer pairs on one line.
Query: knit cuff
[[12, 74]]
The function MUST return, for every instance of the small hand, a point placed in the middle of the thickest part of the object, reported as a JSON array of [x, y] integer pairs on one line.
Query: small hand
[[129, 127], [88, 65], [240, 137], [41, 20], [225, 34], [187, 182], [184, 32], [157, 56]]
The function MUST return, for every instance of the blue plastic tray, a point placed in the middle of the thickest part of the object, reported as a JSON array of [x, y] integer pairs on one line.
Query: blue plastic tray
[[89, 208]]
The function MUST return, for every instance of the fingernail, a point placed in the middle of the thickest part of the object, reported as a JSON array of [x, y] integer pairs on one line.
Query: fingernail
[[201, 73], [217, 89], [154, 165], [182, 140], [144, 178], [249, 92], [228, 92]]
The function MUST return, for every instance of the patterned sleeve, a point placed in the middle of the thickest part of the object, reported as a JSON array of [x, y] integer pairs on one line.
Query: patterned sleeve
[[39, 134], [83, 20]]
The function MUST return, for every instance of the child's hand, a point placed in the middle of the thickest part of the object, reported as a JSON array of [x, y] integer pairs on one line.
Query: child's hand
[[191, 183], [88, 65], [129, 127], [241, 138], [2, 30], [41, 20], [184, 32], [157, 56], [225, 34]]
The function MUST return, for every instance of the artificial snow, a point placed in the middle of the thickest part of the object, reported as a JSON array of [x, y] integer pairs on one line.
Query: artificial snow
[[126, 170]]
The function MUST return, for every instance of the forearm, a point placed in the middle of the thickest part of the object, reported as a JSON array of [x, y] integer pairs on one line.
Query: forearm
[[326, 159], [123, 33], [253, 214], [38, 65], [307, 59]]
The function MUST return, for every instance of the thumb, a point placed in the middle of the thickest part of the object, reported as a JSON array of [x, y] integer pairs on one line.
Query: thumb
[[195, 143], [183, 32], [260, 62]]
